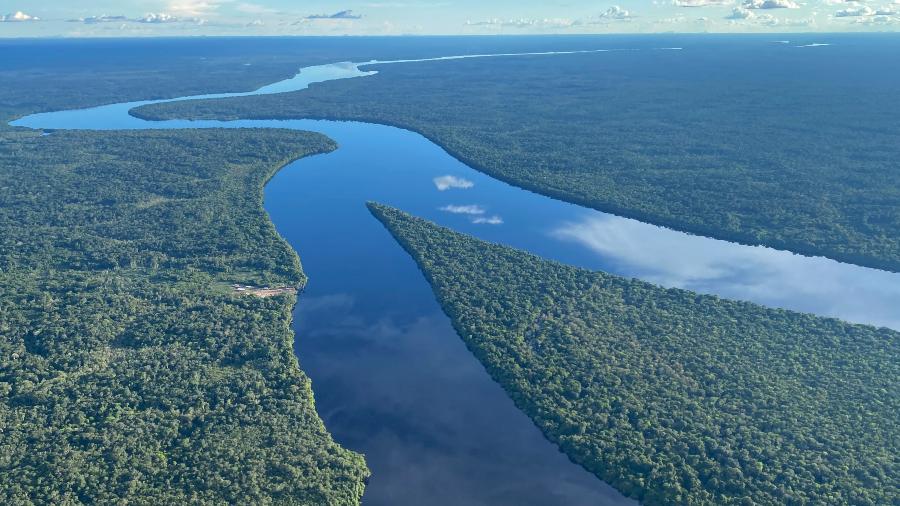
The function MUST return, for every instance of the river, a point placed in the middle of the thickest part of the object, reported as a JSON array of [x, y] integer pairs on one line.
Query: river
[[391, 378]]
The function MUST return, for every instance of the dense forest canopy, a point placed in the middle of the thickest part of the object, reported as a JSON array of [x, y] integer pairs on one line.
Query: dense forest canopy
[[51, 75], [129, 369], [733, 137], [671, 396]]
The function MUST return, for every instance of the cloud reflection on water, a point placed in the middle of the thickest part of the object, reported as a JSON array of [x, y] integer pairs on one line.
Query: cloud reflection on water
[[444, 183], [438, 420], [473, 209], [759, 274], [488, 220]]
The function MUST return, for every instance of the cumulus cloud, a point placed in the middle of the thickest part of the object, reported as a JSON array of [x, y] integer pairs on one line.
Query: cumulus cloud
[[616, 12], [862, 10], [771, 4], [612, 14], [524, 23], [700, 3], [251, 8], [103, 18], [444, 183], [471, 209], [156, 18], [484, 220], [194, 8], [878, 19], [17, 17], [153, 18], [741, 13], [865, 15], [346, 14], [670, 21], [766, 20]]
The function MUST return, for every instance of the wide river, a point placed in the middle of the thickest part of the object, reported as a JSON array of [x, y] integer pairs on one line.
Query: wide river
[[391, 377]]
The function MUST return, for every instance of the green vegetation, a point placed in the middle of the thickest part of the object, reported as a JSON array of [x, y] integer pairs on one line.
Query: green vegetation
[[734, 138], [127, 372], [671, 396], [51, 75]]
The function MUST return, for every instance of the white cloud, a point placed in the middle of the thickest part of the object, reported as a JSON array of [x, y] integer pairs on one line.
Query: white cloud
[[483, 220], [616, 12], [612, 14], [345, 14], [881, 20], [670, 21], [103, 18], [444, 183], [862, 10], [158, 18], [700, 3], [524, 23], [772, 21], [152, 18], [471, 209], [194, 8], [859, 10], [251, 8], [740, 13], [771, 4], [18, 16]]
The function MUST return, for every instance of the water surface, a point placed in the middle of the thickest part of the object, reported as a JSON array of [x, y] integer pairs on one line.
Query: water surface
[[391, 378]]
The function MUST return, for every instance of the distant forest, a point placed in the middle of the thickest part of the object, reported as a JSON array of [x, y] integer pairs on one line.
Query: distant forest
[[129, 370], [734, 138], [671, 396]]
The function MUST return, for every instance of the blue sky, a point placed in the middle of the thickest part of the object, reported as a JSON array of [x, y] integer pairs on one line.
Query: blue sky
[[20, 18]]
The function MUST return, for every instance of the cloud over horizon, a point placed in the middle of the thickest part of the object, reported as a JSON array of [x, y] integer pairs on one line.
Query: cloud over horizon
[[701, 3], [345, 14], [440, 17], [770, 4], [611, 14], [18, 17], [152, 18]]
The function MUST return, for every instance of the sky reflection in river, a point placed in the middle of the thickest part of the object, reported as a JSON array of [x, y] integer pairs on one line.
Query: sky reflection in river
[[778, 278], [391, 377], [406, 170]]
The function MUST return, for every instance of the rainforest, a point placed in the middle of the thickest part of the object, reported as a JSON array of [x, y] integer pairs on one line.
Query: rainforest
[[550, 269]]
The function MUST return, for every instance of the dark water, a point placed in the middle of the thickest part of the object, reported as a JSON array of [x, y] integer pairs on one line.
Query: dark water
[[392, 379]]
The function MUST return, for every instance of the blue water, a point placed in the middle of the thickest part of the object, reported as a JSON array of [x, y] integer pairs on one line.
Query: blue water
[[391, 378]]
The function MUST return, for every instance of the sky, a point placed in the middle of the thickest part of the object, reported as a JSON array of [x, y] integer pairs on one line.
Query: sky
[[119, 18]]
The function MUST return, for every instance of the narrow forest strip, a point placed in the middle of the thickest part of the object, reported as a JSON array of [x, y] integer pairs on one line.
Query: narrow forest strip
[[671, 396]]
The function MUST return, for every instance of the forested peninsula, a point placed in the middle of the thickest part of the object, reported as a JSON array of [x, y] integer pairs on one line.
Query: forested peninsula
[[130, 369], [748, 154], [671, 396]]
